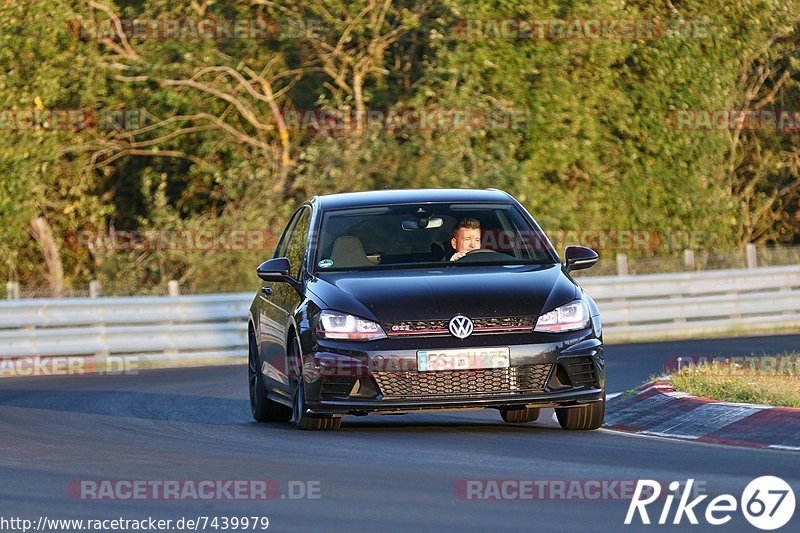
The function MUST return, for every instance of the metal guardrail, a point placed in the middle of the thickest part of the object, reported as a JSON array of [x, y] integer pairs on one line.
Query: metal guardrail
[[696, 303], [212, 327]]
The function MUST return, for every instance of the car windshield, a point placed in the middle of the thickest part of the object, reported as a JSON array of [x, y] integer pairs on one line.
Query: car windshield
[[422, 235]]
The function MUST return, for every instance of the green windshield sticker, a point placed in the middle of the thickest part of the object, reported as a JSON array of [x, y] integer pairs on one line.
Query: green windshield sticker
[[325, 263]]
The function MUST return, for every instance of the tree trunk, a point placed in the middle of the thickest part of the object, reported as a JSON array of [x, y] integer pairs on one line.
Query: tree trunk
[[358, 95], [55, 269]]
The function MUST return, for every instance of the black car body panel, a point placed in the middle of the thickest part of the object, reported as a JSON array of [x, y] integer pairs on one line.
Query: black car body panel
[[435, 293]]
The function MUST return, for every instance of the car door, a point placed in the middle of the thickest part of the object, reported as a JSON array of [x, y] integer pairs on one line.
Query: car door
[[278, 303]]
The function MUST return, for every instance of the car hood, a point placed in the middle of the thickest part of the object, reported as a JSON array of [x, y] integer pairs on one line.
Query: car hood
[[429, 294]]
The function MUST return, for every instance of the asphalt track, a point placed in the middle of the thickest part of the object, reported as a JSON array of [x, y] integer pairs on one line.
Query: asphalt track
[[378, 473]]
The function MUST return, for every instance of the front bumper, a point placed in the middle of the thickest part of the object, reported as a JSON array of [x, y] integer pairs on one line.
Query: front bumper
[[559, 399], [563, 371]]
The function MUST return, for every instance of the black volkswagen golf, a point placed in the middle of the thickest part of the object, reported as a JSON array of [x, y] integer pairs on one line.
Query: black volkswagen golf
[[397, 301]]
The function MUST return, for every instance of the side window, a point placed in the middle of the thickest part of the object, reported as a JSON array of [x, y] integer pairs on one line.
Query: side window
[[280, 250], [298, 240]]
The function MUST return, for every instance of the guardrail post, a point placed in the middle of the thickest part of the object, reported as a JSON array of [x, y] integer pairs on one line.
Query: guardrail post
[[622, 265], [173, 289], [12, 290], [95, 289], [750, 256], [688, 259]]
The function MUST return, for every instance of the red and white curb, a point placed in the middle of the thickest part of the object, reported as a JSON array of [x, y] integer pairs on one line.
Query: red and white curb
[[658, 409]]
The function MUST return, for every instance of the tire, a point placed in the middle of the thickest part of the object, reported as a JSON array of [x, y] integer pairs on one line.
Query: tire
[[299, 417], [262, 408], [519, 415], [303, 420], [583, 418]]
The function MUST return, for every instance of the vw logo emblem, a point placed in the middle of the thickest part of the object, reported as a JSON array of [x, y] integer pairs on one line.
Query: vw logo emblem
[[461, 326]]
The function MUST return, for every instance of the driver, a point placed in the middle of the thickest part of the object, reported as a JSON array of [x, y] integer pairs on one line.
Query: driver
[[465, 238]]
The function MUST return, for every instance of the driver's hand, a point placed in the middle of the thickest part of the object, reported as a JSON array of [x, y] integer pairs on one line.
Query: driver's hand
[[459, 255]]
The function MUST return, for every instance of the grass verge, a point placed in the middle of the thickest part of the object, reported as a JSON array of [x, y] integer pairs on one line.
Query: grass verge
[[775, 382]]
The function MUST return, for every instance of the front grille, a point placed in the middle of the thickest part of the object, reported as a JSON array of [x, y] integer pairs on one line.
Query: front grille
[[337, 387], [463, 383], [508, 324], [580, 371]]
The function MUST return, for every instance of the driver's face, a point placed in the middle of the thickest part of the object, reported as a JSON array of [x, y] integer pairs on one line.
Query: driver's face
[[466, 240]]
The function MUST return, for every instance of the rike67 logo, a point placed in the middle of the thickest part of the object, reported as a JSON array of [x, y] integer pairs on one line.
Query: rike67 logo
[[767, 503]]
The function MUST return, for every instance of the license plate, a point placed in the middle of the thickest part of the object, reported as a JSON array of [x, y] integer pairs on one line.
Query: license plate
[[435, 360]]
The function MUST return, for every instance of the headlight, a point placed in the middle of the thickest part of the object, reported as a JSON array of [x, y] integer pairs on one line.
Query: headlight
[[333, 325], [569, 317]]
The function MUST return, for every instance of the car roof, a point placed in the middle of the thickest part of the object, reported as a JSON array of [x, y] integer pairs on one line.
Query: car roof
[[407, 196]]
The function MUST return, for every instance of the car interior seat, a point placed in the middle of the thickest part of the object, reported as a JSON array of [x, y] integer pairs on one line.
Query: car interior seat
[[349, 252]]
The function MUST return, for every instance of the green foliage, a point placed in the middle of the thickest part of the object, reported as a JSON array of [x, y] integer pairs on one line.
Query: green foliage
[[592, 147]]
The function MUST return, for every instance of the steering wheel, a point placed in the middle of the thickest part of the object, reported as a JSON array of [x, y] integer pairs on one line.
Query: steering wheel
[[472, 255], [478, 251]]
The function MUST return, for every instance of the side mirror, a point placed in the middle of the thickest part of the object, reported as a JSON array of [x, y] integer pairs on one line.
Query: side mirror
[[276, 270], [580, 257]]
